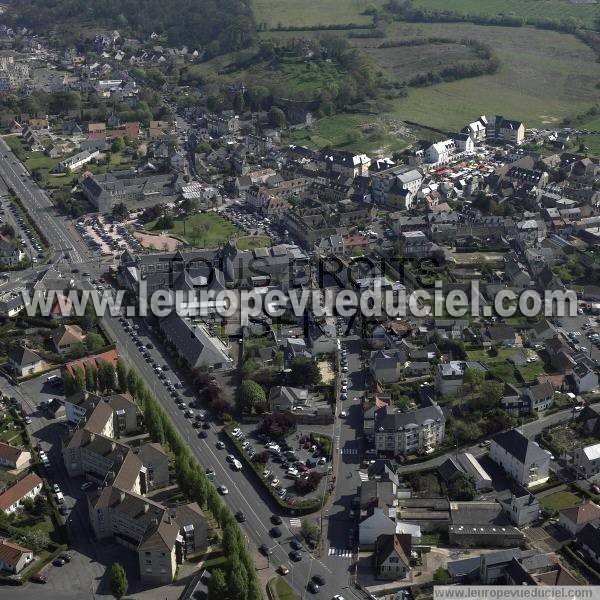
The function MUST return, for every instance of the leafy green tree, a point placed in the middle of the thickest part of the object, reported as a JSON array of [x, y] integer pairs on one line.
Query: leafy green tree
[[91, 378], [217, 586], [121, 376], [120, 210], [276, 117], [441, 576], [305, 372], [118, 581], [106, 377], [118, 145], [249, 394], [93, 342], [237, 579], [78, 379], [474, 378], [309, 531]]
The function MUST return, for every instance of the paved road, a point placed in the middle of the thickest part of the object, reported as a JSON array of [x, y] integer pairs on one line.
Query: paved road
[[245, 494], [60, 234]]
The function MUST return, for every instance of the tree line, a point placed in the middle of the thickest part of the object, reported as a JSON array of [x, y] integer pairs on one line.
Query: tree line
[[217, 26], [237, 581]]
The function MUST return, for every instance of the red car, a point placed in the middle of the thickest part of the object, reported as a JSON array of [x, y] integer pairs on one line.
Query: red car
[[39, 578]]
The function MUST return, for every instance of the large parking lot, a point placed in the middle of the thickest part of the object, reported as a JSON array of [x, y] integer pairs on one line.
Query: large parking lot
[[105, 238], [251, 223], [288, 459]]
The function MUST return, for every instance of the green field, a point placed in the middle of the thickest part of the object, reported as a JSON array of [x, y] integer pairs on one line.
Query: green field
[[311, 13], [534, 9], [203, 230], [559, 501], [403, 63], [281, 589], [544, 76], [249, 242]]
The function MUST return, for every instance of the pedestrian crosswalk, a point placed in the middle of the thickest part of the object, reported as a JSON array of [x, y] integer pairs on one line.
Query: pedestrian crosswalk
[[348, 450], [363, 476], [340, 552], [295, 523]]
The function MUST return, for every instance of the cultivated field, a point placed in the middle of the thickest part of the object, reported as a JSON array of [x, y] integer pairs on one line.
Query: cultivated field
[[404, 62], [539, 9], [544, 76], [313, 12]]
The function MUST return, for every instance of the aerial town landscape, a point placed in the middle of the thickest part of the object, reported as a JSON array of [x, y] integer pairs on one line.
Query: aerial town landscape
[[299, 299]]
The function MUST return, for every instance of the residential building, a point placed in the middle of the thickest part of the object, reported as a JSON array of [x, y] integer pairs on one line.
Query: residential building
[[523, 508], [285, 398], [162, 537], [520, 458], [585, 378], [13, 457], [587, 460], [24, 361], [66, 337], [391, 556], [474, 471], [575, 518], [588, 539], [505, 130], [450, 376], [540, 396], [11, 253], [14, 558], [12, 499], [400, 433]]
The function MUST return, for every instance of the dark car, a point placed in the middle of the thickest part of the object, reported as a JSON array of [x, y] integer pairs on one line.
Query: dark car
[[240, 516], [202, 434], [264, 549], [150, 346], [196, 424], [318, 579], [206, 425], [275, 532], [58, 562], [312, 587], [296, 555], [66, 557], [39, 578], [296, 544], [276, 520]]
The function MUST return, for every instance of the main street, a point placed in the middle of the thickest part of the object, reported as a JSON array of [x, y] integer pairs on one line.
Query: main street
[[245, 494], [61, 236]]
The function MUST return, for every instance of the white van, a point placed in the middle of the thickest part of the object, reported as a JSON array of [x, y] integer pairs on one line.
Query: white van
[[60, 498]]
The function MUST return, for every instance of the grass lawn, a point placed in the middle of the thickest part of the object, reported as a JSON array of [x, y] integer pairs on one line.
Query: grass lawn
[[531, 370], [559, 500], [498, 365], [311, 13], [203, 230], [282, 590], [536, 9], [249, 242]]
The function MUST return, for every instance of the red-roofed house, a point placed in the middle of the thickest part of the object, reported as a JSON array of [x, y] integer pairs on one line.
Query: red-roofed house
[[14, 558], [28, 487], [111, 356]]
